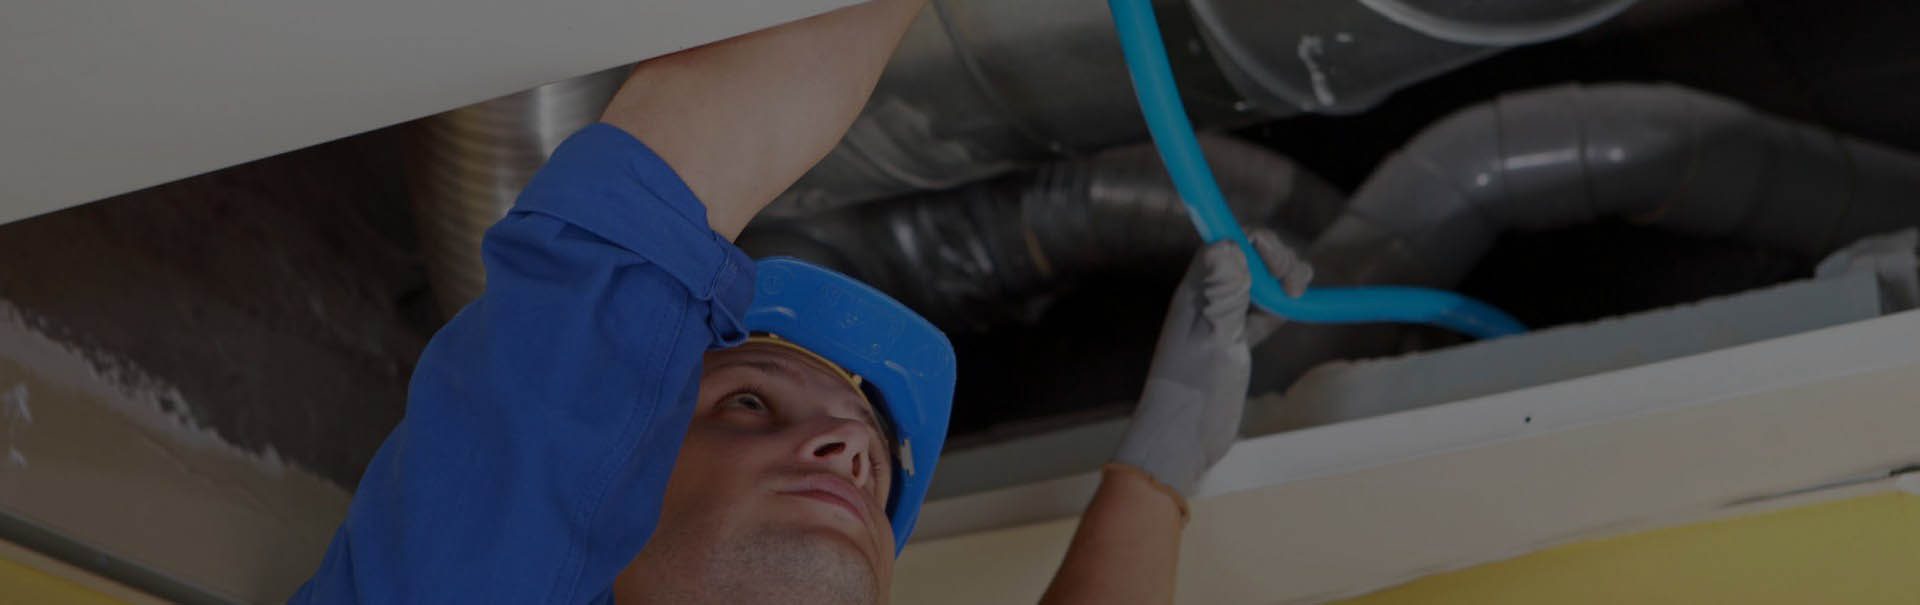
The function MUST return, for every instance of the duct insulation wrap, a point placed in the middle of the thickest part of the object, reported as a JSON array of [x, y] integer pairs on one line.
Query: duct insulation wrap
[[979, 88], [467, 166], [1661, 155], [982, 87], [994, 253]]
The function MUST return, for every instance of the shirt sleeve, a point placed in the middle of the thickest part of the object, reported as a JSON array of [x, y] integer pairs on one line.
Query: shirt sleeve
[[542, 422]]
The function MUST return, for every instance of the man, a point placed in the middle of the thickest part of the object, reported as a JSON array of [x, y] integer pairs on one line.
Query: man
[[635, 411]]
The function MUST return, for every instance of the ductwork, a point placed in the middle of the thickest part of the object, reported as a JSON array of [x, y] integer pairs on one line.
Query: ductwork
[[982, 87], [468, 165], [1346, 56], [1498, 22], [1665, 156], [979, 88], [1661, 155], [992, 253]]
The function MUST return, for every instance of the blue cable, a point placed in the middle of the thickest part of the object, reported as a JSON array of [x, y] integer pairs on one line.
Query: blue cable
[[1193, 178]]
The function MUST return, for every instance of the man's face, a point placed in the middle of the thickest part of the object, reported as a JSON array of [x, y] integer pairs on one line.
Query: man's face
[[780, 491]]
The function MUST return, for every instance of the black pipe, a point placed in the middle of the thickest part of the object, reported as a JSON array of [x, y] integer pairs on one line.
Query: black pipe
[[995, 252]]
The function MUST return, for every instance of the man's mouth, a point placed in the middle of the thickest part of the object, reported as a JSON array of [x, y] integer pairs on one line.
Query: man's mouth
[[831, 489]]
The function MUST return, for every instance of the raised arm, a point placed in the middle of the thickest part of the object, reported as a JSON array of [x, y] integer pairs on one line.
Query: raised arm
[[741, 120], [1127, 548]]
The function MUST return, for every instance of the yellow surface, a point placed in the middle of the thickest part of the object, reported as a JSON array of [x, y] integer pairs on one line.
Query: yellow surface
[[21, 585], [1865, 550]]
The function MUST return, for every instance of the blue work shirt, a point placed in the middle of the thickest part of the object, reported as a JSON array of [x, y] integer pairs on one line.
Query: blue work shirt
[[543, 420]]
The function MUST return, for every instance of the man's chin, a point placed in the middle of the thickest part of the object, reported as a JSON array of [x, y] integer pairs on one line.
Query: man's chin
[[808, 564]]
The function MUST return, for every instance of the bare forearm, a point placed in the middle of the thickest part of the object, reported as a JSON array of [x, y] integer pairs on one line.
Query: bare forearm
[[1127, 547], [741, 119]]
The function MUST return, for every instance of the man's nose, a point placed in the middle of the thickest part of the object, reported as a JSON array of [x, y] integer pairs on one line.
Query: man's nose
[[841, 446]]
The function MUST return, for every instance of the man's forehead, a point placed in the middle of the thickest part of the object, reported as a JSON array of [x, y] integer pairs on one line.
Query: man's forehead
[[772, 359]]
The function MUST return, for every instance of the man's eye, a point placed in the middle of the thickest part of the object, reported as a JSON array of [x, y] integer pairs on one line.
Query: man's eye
[[745, 401]]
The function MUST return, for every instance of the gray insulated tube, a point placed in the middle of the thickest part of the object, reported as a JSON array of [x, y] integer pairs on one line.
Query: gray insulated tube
[[1660, 155], [993, 252]]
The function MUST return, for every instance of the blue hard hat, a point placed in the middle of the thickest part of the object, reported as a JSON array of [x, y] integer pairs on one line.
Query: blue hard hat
[[901, 358]]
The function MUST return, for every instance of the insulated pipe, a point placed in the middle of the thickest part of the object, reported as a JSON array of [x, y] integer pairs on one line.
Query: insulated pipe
[[1659, 154], [1663, 155], [993, 253], [1173, 135]]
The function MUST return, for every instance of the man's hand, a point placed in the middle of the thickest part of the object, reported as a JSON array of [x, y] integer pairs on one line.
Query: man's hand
[[1189, 413]]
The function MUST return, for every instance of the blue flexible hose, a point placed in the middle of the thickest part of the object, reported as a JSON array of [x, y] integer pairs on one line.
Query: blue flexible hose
[[1193, 178]]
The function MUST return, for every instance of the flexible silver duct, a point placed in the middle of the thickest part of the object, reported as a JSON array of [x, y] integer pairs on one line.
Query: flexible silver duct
[[1661, 155], [469, 164], [992, 253]]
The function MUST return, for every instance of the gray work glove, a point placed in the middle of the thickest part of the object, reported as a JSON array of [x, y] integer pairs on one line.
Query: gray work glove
[[1189, 413]]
